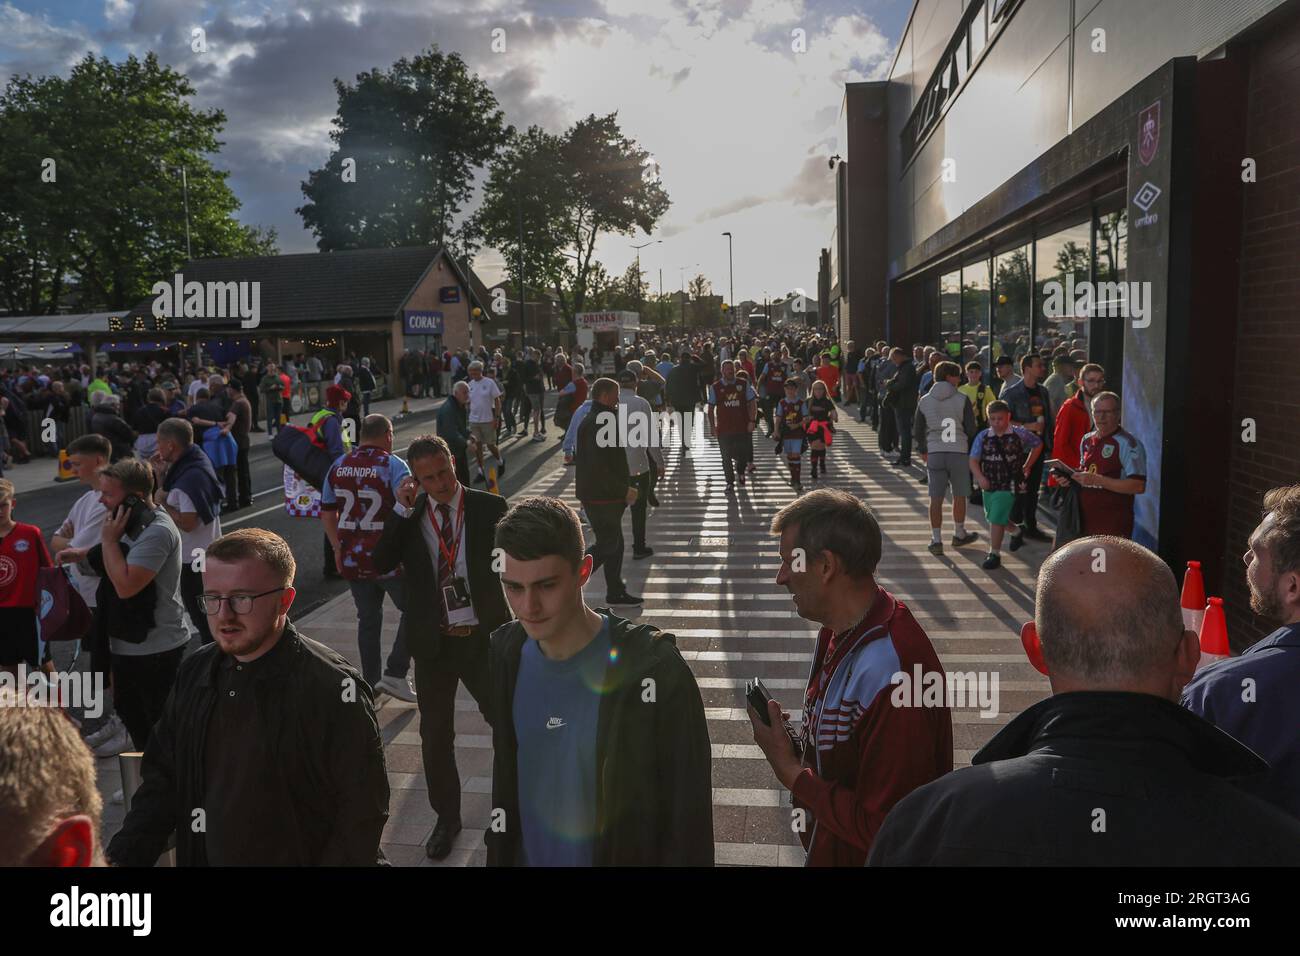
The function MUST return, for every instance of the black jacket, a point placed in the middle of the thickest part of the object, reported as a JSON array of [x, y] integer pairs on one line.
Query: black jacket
[[602, 471], [127, 619], [683, 386], [453, 425], [403, 542], [654, 798], [1035, 794], [328, 742], [119, 434], [901, 390]]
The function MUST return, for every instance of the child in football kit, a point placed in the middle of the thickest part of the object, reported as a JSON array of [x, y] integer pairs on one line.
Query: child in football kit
[[1001, 458], [22, 554], [822, 416], [791, 423]]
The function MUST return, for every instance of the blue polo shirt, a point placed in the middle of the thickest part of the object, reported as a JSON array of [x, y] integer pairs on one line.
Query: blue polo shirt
[[1267, 720]]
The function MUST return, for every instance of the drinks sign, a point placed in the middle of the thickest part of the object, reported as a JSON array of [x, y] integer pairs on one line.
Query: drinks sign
[[421, 322], [599, 320]]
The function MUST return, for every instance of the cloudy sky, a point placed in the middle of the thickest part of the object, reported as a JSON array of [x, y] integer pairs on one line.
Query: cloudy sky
[[740, 124]]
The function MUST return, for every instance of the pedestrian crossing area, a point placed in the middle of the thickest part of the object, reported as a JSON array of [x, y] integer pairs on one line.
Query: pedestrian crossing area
[[711, 582]]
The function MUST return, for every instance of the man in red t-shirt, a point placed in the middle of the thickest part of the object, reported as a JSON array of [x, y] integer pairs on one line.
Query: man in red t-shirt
[[22, 553], [732, 405]]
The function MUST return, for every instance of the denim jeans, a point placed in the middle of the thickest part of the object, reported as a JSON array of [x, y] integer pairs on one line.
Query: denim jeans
[[369, 599]]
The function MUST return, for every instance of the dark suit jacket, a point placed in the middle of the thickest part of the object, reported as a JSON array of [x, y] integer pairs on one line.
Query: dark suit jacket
[[403, 542]]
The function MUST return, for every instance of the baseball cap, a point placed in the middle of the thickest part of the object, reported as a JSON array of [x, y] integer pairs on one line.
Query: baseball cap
[[627, 377], [337, 393]]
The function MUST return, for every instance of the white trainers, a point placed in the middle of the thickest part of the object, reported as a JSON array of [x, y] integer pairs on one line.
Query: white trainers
[[111, 746], [106, 730], [398, 687]]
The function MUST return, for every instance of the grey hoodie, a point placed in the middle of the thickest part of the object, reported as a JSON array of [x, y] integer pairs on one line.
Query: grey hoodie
[[943, 404]]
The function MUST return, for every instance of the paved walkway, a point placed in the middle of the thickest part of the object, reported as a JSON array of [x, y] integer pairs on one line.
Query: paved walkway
[[710, 581]]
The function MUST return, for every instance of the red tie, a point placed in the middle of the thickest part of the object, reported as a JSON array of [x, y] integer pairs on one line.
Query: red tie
[[445, 571]]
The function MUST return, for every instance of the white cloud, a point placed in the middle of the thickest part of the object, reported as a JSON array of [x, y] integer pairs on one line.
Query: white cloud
[[118, 11]]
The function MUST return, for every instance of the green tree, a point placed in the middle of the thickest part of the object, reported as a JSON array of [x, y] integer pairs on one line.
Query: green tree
[[414, 136], [91, 203], [569, 190]]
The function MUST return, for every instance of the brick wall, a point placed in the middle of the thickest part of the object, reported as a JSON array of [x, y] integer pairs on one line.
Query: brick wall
[[1268, 337]]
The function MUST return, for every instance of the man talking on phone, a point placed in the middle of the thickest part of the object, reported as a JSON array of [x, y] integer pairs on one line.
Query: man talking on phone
[[140, 554], [441, 533]]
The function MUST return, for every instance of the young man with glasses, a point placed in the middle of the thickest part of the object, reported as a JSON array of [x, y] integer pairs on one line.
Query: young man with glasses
[[270, 739]]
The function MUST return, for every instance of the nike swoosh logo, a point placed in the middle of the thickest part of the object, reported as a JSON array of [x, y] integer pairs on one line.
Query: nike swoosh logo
[[555, 723]]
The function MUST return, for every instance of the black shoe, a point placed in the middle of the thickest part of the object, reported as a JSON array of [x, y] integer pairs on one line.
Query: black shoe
[[936, 548], [903, 464], [502, 470], [623, 600], [643, 553], [1034, 534], [967, 538], [992, 562], [654, 501], [439, 845], [1017, 542]]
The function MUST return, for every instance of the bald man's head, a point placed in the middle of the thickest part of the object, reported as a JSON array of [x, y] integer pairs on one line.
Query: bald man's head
[[1109, 618]]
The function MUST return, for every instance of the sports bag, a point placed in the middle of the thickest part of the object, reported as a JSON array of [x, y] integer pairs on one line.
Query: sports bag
[[302, 450]]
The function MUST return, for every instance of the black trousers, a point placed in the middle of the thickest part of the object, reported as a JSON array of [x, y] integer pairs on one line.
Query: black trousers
[[227, 474], [245, 476], [734, 454], [140, 688], [607, 550], [767, 404], [191, 588], [904, 420], [1025, 510], [642, 485], [458, 659]]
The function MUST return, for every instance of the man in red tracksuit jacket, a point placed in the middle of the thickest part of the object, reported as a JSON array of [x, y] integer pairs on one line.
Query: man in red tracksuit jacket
[[1073, 418], [876, 722]]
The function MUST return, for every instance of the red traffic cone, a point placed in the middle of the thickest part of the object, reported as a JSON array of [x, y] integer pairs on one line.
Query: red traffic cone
[[1214, 634], [1193, 597]]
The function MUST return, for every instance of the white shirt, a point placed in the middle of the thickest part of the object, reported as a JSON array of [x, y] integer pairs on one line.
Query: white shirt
[[82, 528], [482, 398], [193, 390], [431, 537], [202, 535]]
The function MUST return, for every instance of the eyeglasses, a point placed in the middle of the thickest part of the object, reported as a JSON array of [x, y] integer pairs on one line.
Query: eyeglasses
[[239, 603]]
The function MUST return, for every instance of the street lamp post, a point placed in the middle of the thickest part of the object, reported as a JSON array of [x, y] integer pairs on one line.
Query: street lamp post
[[731, 274], [638, 269], [185, 192]]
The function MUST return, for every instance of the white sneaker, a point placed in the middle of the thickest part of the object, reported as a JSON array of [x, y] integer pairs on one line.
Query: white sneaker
[[117, 798], [107, 729], [118, 743], [397, 687]]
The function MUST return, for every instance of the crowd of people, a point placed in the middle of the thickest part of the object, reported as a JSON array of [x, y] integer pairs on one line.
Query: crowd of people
[[601, 749]]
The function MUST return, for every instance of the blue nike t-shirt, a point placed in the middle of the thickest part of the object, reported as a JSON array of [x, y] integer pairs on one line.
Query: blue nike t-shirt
[[556, 712]]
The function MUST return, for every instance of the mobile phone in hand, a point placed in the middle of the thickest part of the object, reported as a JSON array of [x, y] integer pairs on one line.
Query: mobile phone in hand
[[757, 695]]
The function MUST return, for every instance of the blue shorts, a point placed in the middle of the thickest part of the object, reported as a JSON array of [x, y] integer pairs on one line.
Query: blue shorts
[[792, 446]]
